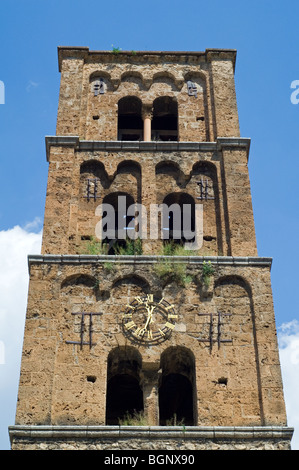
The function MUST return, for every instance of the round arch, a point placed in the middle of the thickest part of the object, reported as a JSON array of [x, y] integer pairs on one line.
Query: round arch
[[177, 387], [165, 119], [178, 218], [130, 122], [133, 278], [234, 279], [78, 279], [124, 394]]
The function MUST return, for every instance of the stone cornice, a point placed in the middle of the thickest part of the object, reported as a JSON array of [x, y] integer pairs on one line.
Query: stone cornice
[[83, 53], [148, 432], [141, 146], [146, 259]]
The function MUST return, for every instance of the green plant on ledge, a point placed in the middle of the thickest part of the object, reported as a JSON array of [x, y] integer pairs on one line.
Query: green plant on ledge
[[135, 419], [95, 247], [169, 269], [207, 272], [116, 50], [131, 247]]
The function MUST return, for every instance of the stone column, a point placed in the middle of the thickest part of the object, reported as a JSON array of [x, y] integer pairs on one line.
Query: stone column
[[147, 116]]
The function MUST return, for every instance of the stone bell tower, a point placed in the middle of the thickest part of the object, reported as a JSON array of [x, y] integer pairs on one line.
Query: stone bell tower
[[142, 334]]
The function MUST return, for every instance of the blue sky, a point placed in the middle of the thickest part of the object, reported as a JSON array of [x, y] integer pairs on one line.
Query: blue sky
[[265, 34]]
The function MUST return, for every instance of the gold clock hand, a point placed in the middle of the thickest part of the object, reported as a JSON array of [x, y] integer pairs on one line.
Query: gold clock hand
[[149, 315]]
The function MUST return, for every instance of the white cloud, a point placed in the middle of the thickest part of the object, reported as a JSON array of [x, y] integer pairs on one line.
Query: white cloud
[[288, 337], [15, 245], [34, 226]]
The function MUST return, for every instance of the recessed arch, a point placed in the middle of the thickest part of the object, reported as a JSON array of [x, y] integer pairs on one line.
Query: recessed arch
[[100, 82], [177, 389], [94, 180], [132, 168], [137, 77], [94, 168], [129, 166], [234, 280], [124, 394], [197, 76], [204, 166], [98, 74], [164, 73], [134, 279], [116, 221], [78, 279], [130, 122], [167, 78], [164, 165], [178, 218], [169, 168], [165, 119]]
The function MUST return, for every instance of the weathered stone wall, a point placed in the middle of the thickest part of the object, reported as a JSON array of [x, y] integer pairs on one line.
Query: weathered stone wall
[[149, 174], [235, 383], [222, 347], [147, 76]]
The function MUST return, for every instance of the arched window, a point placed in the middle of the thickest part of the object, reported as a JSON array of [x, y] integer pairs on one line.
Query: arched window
[[124, 394], [178, 219], [118, 220], [177, 388], [130, 123], [165, 119]]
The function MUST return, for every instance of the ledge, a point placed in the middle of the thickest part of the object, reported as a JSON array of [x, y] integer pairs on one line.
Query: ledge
[[142, 146], [148, 432], [144, 259], [84, 53]]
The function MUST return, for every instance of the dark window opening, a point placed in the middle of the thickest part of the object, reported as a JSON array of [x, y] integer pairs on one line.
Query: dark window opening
[[124, 394], [124, 397], [130, 123], [118, 221], [177, 397], [176, 401], [178, 221], [165, 119]]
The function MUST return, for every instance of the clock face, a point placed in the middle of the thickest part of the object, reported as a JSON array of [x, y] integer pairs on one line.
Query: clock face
[[148, 320]]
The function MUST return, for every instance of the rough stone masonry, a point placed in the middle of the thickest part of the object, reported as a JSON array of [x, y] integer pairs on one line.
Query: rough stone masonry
[[157, 128]]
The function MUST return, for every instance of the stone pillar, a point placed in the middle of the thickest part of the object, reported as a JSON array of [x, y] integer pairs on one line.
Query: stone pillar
[[58, 220], [239, 213], [150, 386], [68, 115], [224, 94], [147, 116]]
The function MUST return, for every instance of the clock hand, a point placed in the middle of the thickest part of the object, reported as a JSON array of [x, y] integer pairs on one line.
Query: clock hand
[[149, 315]]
